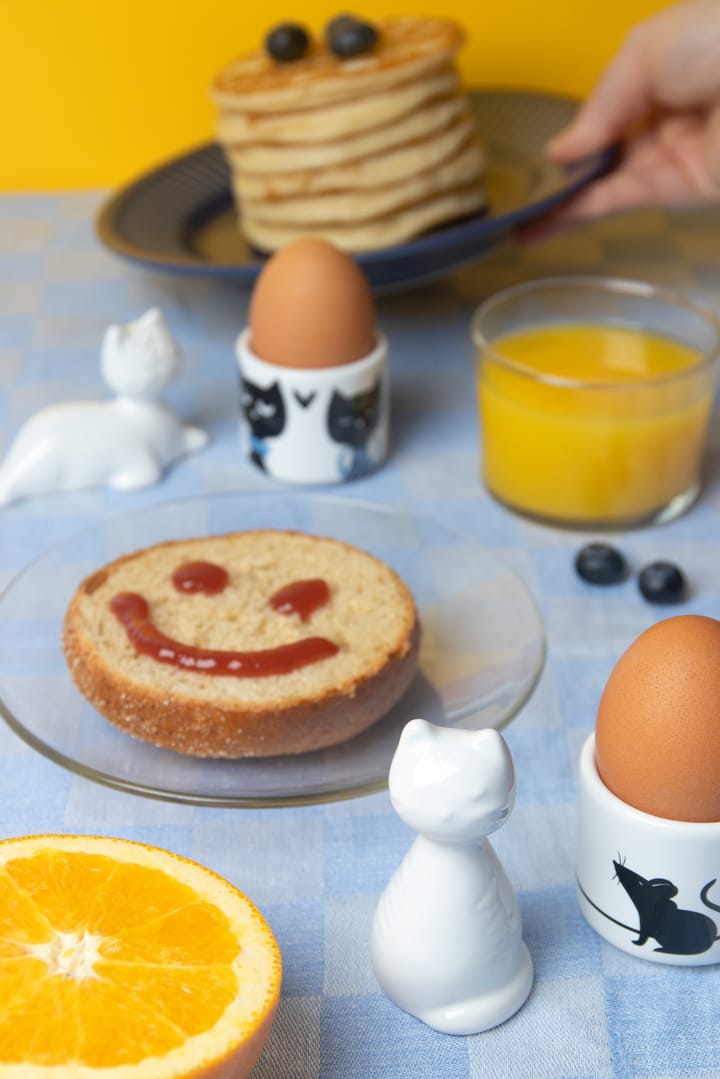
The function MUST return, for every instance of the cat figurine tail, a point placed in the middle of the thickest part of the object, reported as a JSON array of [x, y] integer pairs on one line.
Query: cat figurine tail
[[446, 941]]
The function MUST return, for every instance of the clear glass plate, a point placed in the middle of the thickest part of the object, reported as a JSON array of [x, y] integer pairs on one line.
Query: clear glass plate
[[482, 652]]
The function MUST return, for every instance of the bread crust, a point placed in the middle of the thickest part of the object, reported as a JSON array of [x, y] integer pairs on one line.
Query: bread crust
[[203, 724]]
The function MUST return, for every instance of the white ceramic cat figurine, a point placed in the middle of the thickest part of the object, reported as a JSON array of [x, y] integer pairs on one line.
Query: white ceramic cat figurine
[[446, 940], [126, 442]]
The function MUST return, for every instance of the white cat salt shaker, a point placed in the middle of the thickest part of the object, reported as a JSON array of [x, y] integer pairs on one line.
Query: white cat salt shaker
[[446, 940], [124, 443], [314, 382]]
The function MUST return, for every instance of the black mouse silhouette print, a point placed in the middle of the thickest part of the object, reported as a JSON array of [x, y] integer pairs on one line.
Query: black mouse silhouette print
[[676, 931]]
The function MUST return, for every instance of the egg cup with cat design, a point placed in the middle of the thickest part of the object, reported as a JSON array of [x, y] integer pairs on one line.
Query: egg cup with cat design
[[315, 425], [313, 368], [648, 856]]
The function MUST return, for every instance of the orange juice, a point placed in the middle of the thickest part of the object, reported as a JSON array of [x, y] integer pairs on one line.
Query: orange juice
[[592, 423]]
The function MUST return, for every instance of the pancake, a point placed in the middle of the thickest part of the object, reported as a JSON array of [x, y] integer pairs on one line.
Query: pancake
[[366, 151], [364, 204], [325, 123], [378, 170], [409, 47], [423, 122], [387, 231]]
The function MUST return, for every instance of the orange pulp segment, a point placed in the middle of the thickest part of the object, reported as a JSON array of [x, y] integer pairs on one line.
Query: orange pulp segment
[[113, 953]]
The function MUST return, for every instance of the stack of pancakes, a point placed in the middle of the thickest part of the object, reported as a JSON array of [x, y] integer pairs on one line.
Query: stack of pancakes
[[366, 152]]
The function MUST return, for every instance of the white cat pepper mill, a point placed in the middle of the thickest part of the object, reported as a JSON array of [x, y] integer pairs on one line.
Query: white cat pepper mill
[[124, 443], [446, 940]]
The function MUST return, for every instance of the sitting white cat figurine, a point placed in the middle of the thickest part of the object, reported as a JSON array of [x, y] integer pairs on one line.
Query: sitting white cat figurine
[[446, 940], [126, 442]]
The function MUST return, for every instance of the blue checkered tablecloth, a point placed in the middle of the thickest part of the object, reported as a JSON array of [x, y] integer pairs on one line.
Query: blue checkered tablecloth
[[316, 872]]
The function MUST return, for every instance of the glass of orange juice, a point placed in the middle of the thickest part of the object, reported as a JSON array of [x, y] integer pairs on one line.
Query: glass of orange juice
[[594, 398]]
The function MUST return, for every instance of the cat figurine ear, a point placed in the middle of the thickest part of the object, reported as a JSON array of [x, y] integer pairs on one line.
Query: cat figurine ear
[[141, 358], [446, 940]]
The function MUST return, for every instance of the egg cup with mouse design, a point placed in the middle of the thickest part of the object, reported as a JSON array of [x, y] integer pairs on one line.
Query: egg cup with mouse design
[[648, 857], [313, 369]]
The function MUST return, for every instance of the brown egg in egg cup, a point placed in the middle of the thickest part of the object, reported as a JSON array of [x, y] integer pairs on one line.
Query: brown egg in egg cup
[[648, 853], [313, 368], [315, 425]]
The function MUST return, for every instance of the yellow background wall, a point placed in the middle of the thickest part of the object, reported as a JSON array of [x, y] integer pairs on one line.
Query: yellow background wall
[[92, 92]]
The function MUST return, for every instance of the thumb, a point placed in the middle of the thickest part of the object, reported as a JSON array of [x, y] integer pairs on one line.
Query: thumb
[[621, 98]]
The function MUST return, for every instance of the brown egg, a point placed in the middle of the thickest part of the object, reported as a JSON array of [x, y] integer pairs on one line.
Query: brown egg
[[311, 307], [658, 725]]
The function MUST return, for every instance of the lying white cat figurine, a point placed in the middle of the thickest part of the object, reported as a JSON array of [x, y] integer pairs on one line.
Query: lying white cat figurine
[[446, 940], [125, 443]]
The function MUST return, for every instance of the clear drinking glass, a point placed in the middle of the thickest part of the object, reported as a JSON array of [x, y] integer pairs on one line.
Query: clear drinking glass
[[571, 445]]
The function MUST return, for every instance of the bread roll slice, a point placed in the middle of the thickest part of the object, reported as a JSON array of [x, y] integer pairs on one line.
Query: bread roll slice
[[369, 616]]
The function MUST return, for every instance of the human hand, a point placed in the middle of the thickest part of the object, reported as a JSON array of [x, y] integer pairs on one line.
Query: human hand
[[660, 99]]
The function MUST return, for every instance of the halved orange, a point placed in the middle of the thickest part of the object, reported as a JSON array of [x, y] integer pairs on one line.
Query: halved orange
[[124, 958]]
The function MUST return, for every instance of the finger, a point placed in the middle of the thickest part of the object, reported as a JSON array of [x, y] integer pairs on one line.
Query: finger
[[711, 146], [604, 198], [649, 176], [621, 99], [615, 194], [594, 205], [692, 143]]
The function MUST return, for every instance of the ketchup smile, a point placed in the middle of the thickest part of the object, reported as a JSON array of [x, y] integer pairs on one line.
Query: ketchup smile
[[299, 597]]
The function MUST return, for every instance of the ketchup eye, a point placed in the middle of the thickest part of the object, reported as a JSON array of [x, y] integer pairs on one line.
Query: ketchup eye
[[203, 577], [301, 597]]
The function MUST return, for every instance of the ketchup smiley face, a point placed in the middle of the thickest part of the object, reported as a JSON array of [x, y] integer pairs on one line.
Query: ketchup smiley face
[[298, 597]]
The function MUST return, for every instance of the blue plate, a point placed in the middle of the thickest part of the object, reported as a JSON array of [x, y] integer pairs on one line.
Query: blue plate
[[180, 217]]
